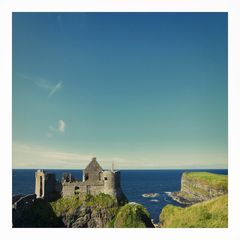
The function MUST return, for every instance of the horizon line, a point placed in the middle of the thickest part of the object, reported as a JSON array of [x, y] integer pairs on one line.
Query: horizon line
[[123, 169]]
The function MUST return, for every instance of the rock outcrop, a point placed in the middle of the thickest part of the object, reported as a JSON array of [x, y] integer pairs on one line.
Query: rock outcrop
[[100, 211], [150, 195], [200, 186], [133, 215], [82, 211], [86, 211], [37, 214]]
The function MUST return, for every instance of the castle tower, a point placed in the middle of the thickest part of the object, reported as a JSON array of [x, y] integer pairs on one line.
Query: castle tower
[[40, 177], [46, 185], [111, 182]]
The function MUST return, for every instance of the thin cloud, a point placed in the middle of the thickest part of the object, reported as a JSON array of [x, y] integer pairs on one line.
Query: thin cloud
[[43, 83], [61, 126], [27, 155], [56, 88]]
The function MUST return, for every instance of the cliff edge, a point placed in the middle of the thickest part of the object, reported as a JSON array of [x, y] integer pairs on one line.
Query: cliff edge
[[200, 186], [80, 211], [208, 214], [206, 198]]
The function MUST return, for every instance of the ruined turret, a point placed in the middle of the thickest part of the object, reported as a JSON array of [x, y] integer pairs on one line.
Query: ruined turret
[[46, 185], [40, 183]]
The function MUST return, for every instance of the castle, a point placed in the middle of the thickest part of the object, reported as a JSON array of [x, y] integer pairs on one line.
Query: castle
[[95, 180]]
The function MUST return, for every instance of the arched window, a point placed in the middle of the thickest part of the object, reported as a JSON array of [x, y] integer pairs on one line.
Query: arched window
[[41, 188]]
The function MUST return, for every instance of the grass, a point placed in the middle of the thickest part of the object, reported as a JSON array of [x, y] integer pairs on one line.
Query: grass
[[218, 181], [67, 205], [132, 216], [207, 214], [64, 206], [203, 185]]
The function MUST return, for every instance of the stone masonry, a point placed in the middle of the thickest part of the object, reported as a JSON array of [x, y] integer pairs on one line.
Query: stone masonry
[[95, 180]]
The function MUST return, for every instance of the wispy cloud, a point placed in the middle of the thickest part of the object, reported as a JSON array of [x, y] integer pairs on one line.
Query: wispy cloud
[[31, 156], [34, 156], [43, 83], [61, 126], [57, 87], [27, 155]]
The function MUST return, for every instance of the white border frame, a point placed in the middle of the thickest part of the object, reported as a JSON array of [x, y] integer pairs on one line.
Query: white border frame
[[230, 6]]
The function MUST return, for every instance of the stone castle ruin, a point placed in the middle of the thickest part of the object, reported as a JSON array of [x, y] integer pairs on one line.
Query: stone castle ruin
[[95, 180]]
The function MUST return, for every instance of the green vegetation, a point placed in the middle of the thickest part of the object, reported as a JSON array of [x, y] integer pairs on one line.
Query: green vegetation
[[64, 206], [201, 186], [102, 206], [208, 214], [67, 206], [132, 215], [216, 181]]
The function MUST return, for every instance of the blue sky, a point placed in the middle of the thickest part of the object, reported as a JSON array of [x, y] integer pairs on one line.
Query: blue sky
[[144, 90]]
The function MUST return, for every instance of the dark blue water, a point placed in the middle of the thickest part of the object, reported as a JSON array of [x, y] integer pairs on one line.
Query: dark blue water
[[134, 184]]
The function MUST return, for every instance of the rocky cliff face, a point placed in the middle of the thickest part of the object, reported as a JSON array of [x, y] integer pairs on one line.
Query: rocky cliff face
[[83, 211], [86, 211], [39, 214], [101, 211], [200, 186]]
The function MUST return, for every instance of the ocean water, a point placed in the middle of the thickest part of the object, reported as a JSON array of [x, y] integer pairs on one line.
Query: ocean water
[[134, 183]]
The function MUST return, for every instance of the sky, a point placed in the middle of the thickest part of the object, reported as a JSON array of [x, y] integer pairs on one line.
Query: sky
[[142, 90]]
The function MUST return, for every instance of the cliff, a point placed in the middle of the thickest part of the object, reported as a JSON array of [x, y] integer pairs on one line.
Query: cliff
[[38, 214], [87, 211], [82, 211], [100, 211], [200, 186], [208, 214]]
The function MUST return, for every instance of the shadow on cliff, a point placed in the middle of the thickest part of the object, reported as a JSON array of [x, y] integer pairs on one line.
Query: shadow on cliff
[[40, 214]]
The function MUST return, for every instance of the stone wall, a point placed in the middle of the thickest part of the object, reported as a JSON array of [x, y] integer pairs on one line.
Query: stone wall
[[93, 171], [95, 181], [110, 184], [71, 188]]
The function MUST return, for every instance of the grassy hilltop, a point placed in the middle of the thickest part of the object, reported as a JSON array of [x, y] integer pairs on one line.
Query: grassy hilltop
[[208, 214], [211, 180], [206, 193], [100, 211], [133, 215]]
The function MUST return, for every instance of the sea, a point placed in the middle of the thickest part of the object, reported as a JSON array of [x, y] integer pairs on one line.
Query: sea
[[134, 184]]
